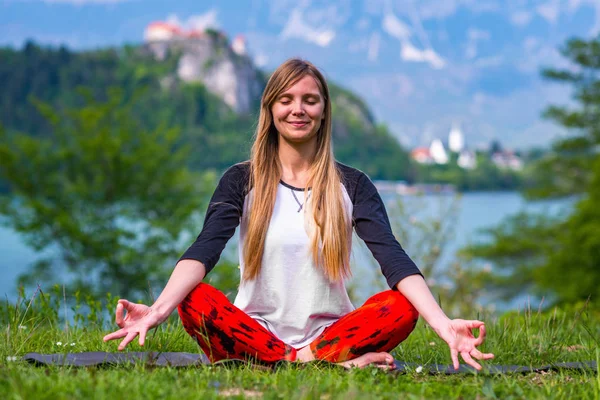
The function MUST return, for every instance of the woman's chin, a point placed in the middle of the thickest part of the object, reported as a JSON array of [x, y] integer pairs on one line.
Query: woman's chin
[[298, 137]]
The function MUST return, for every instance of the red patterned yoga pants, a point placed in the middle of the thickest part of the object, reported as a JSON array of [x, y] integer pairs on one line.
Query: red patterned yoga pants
[[223, 331]]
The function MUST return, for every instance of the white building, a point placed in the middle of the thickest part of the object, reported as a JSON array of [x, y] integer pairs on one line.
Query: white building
[[422, 155], [507, 160], [456, 140], [438, 152], [161, 32], [467, 159]]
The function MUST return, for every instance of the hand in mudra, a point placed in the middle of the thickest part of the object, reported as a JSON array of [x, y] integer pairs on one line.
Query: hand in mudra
[[139, 320], [459, 336]]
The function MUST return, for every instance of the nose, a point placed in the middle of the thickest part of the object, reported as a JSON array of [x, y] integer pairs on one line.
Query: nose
[[297, 109]]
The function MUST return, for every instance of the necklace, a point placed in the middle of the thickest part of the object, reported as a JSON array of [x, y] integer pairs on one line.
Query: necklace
[[298, 201]]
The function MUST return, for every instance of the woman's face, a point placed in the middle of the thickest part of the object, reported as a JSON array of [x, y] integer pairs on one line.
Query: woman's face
[[298, 111]]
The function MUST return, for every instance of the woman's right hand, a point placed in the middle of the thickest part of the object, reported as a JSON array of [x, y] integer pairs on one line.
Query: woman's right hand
[[139, 320]]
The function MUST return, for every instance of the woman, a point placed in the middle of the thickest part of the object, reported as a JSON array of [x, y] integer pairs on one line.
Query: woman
[[296, 208]]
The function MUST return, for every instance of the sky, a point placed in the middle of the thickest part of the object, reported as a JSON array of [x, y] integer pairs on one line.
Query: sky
[[422, 66]]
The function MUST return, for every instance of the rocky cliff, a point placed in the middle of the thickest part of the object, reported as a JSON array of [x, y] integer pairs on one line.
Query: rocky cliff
[[210, 59], [227, 71]]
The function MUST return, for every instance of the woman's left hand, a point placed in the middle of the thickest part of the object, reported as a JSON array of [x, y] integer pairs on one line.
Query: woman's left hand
[[459, 336]]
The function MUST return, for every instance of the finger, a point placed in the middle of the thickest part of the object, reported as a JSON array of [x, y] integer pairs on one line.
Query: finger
[[474, 324], [130, 336], [127, 304], [480, 339], [115, 335], [143, 333], [454, 355], [481, 356], [467, 357], [119, 315], [477, 354]]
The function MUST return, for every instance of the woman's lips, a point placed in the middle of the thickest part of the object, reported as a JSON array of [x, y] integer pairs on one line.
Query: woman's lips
[[298, 124]]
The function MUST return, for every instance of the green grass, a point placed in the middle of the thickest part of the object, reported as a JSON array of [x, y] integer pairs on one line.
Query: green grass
[[525, 338]]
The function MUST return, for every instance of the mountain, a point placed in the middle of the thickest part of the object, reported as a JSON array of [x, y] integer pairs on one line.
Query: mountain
[[422, 66], [207, 57], [201, 83]]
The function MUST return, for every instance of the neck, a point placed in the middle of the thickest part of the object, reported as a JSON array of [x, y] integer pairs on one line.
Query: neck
[[296, 160]]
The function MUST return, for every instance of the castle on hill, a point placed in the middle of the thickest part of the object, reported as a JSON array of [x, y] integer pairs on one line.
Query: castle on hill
[[206, 56], [160, 31]]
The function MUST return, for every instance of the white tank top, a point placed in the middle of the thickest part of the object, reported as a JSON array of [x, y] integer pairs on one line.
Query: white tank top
[[291, 297]]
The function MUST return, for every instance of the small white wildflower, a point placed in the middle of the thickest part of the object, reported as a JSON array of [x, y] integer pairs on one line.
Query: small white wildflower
[[419, 369], [72, 344], [22, 327], [432, 343], [11, 358], [59, 343]]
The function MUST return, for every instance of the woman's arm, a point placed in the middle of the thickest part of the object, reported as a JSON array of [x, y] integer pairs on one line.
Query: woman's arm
[[185, 277], [417, 292], [141, 318], [457, 332], [221, 220]]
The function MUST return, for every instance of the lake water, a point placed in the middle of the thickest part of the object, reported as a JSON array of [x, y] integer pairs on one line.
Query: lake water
[[476, 211]]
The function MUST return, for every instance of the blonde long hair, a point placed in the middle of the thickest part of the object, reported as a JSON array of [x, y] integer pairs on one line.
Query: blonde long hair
[[330, 241]]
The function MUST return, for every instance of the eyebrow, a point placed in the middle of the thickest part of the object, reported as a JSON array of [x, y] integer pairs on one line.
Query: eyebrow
[[307, 95]]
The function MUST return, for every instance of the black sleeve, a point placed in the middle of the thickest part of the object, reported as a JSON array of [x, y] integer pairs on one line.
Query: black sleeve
[[222, 217], [373, 226]]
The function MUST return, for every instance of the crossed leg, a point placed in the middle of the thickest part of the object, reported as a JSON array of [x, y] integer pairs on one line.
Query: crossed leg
[[223, 331], [361, 337]]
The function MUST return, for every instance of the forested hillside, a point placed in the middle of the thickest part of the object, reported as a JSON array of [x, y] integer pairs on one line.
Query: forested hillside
[[219, 136]]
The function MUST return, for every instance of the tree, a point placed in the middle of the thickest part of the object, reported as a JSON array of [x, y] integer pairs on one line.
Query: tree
[[112, 203], [568, 168], [560, 256], [206, 121]]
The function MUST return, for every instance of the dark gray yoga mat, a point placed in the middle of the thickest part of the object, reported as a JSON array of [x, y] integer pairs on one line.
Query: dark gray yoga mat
[[99, 358], [496, 369]]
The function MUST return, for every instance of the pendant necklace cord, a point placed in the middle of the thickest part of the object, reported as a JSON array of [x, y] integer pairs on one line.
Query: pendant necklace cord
[[298, 201]]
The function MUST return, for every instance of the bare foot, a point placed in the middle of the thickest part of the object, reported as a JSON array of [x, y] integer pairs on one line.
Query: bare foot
[[380, 360], [305, 354]]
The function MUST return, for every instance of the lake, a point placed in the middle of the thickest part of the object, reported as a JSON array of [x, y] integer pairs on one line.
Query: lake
[[476, 211]]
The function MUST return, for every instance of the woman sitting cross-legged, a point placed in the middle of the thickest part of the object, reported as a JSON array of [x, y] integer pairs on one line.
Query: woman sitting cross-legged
[[296, 208]]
